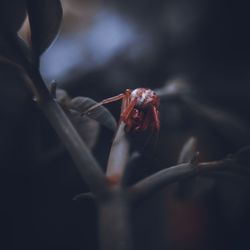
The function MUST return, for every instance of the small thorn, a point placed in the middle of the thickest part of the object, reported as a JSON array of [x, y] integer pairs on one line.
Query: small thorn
[[188, 150]]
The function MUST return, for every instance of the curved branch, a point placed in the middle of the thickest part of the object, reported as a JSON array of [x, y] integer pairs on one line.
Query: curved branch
[[160, 179], [86, 164]]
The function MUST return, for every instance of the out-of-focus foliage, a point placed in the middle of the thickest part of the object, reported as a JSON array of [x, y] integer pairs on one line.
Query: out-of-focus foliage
[[45, 18], [195, 54], [104, 48], [100, 114], [86, 124]]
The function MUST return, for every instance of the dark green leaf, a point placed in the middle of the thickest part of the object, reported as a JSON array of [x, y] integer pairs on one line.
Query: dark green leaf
[[86, 127], [100, 114], [45, 18]]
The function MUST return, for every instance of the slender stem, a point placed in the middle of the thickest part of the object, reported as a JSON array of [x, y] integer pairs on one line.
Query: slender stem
[[169, 175], [118, 156], [113, 204], [86, 164], [114, 221]]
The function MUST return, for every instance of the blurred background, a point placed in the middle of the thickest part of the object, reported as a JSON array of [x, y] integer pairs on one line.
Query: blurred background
[[201, 45], [196, 55], [198, 46]]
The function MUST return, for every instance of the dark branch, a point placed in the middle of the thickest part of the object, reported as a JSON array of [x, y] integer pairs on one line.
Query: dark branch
[[118, 156], [156, 181], [86, 164]]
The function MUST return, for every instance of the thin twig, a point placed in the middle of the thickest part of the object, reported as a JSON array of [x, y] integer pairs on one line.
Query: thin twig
[[86, 164], [118, 156], [169, 175], [115, 221]]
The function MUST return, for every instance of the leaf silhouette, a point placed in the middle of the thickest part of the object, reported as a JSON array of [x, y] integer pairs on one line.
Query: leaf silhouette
[[86, 127], [100, 114], [45, 18]]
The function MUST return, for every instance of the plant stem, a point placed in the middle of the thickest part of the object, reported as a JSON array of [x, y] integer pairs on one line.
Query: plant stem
[[119, 154], [169, 175], [86, 164], [114, 221], [113, 204]]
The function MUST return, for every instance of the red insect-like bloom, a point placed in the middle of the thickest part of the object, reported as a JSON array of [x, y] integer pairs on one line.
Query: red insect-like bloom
[[140, 109]]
